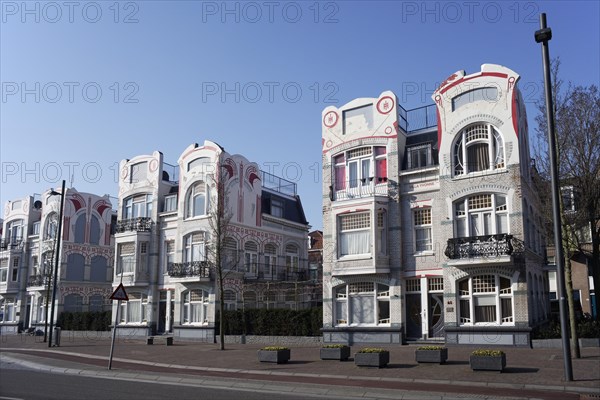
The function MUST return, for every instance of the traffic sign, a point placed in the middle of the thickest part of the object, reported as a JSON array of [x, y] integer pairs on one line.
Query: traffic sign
[[119, 293]]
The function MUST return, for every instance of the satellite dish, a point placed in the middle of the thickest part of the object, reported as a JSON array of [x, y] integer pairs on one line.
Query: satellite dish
[[37, 205], [165, 176]]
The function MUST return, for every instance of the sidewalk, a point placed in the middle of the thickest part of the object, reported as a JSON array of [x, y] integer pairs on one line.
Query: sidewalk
[[530, 373]]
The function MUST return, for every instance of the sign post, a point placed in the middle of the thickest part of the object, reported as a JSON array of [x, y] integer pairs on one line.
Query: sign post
[[119, 294]]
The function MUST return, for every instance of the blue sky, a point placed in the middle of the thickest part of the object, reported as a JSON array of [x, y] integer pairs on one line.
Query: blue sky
[[86, 84]]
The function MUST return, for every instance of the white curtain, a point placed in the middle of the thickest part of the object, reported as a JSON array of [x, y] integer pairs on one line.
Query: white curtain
[[363, 309], [355, 242], [134, 311]]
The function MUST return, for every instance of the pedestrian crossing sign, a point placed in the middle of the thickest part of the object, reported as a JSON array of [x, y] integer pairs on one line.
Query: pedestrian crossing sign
[[119, 293]]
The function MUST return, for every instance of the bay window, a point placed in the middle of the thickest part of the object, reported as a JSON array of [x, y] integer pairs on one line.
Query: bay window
[[480, 215], [355, 234], [360, 168], [126, 258], [195, 247], [197, 202], [138, 206]]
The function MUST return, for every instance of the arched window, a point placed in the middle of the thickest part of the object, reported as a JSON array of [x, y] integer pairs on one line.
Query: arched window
[[51, 228], [251, 257], [197, 202], [95, 230], [270, 257], [478, 147], [230, 298], [98, 269], [480, 215], [291, 259], [195, 307], [362, 303], [75, 267], [79, 229], [230, 254], [485, 299], [73, 303], [195, 247]]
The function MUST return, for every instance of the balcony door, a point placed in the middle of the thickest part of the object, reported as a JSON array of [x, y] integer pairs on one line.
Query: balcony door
[[481, 223]]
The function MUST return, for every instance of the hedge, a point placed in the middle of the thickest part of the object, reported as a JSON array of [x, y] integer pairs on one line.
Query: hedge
[[275, 322], [85, 321]]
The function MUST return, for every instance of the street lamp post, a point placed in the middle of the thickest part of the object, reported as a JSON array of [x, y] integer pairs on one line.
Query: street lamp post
[[57, 257], [543, 36]]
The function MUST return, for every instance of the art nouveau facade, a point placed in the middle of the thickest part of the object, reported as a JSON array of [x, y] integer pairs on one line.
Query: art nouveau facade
[[165, 247], [431, 226], [27, 257]]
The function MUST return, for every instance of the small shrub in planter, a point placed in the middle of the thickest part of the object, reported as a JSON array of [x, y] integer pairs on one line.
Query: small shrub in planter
[[488, 360], [274, 354], [372, 357], [431, 354], [339, 352]]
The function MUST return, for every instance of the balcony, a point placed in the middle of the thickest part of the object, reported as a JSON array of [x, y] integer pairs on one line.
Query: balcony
[[487, 246], [37, 280], [360, 188], [190, 269], [140, 224], [14, 243], [268, 272]]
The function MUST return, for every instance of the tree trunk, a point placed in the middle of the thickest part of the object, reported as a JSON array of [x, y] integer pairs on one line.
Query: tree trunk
[[221, 311], [571, 302], [596, 267]]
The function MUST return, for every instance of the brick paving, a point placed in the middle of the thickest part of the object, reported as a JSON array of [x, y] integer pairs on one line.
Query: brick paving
[[532, 373]]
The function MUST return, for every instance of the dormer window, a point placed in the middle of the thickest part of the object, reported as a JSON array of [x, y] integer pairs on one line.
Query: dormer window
[[359, 169]]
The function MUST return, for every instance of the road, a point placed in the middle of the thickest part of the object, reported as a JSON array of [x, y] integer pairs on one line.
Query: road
[[18, 383]]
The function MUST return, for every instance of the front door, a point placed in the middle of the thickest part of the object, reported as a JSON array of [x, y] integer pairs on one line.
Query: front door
[[414, 329], [436, 315]]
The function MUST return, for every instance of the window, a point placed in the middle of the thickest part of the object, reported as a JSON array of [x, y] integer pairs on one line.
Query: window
[[489, 94], [75, 267], [195, 247], [568, 198], [230, 259], [277, 208], [195, 307], [170, 203], [95, 230], [15, 205], [381, 233], [139, 172], [270, 259], [250, 300], [485, 299], [422, 220], [96, 303], [134, 311], [137, 206], [36, 228], [79, 229], [418, 156], [251, 257], [15, 269], [359, 119], [230, 298], [35, 265], [359, 168], [291, 258], [363, 303], [4, 270], [73, 303], [98, 267], [14, 231], [203, 162], [169, 254], [51, 228], [197, 203], [478, 147], [355, 234], [480, 215], [7, 309], [41, 309], [126, 258]]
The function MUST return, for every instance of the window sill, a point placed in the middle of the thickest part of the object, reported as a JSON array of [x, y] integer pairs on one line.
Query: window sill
[[426, 253], [196, 218], [355, 257]]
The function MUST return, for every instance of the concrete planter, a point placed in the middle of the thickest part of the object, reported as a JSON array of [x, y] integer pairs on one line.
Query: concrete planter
[[431, 356], [378, 360], [338, 353], [488, 363], [274, 356]]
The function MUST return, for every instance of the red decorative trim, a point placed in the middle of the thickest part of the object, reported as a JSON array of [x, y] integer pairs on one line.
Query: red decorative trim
[[153, 165], [496, 74], [439, 128], [258, 210], [331, 119], [379, 108]]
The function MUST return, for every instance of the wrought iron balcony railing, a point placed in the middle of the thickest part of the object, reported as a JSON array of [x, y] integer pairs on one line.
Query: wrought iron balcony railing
[[140, 224], [11, 243], [270, 272], [190, 269], [483, 246], [37, 280]]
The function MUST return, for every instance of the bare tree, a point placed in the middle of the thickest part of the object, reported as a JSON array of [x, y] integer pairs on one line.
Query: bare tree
[[577, 130], [223, 259]]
